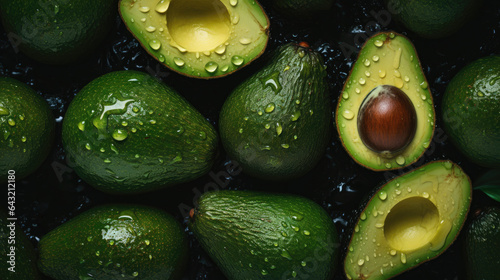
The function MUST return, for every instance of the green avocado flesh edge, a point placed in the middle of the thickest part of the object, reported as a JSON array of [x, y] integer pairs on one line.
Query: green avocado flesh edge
[[199, 38], [385, 59], [409, 220]]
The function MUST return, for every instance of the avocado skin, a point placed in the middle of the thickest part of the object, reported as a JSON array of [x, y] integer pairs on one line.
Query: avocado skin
[[482, 241], [300, 93], [180, 146], [254, 235], [25, 257], [297, 9], [152, 245], [470, 111], [431, 18], [58, 31], [38, 126]]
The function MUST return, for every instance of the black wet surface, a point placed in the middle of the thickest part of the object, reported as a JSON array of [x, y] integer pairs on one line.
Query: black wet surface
[[54, 193]]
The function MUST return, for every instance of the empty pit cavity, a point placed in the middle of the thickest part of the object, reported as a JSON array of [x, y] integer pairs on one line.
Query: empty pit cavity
[[411, 224], [198, 25]]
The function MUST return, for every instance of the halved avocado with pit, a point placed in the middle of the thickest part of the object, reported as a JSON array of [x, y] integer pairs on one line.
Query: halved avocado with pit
[[409, 220], [385, 114], [199, 38]]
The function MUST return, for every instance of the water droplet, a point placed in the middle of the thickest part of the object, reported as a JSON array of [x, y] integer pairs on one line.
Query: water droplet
[[367, 62], [235, 19], [378, 43], [102, 150], [298, 217], [400, 160], [135, 274], [97, 253], [398, 82], [285, 146], [155, 44], [407, 79], [89, 238], [379, 225], [361, 262], [295, 116], [381, 73], [426, 144], [23, 139], [101, 122], [382, 195], [279, 129], [388, 165], [362, 216], [11, 122], [220, 49], [425, 195], [303, 263], [124, 123], [295, 137], [424, 85], [345, 95], [367, 73], [133, 129], [120, 134], [270, 107], [356, 228], [147, 242], [111, 242], [180, 130], [362, 81], [162, 6], [447, 165], [297, 102], [397, 58], [306, 232], [144, 9], [211, 67], [150, 29], [143, 19], [21, 117], [4, 111], [237, 60], [285, 254], [259, 113], [245, 41], [152, 121], [202, 135], [224, 68], [295, 228], [376, 58], [347, 114], [263, 272], [403, 258], [107, 161], [267, 126], [294, 273], [393, 252], [284, 234]]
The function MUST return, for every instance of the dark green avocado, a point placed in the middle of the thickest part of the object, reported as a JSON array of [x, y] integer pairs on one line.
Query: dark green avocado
[[254, 235], [115, 242], [276, 124], [57, 31]]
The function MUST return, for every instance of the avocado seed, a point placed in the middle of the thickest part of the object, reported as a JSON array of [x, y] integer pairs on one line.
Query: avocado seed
[[387, 120]]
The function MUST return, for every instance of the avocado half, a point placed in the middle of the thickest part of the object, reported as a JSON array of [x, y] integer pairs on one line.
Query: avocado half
[[199, 38], [387, 61], [409, 220]]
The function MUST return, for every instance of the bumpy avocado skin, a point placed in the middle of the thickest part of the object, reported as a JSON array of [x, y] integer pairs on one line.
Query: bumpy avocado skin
[[112, 242], [481, 243], [470, 111], [276, 124], [255, 235], [433, 19], [57, 32]]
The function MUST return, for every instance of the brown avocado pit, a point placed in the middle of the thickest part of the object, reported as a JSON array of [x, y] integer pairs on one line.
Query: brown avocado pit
[[387, 120]]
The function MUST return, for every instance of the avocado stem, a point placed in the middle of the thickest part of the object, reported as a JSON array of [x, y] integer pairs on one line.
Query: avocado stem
[[191, 213], [304, 45]]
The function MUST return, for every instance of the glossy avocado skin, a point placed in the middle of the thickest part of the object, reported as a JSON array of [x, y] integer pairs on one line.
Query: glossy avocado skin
[[276, 124], [24, 254], [57, 31], [470, 111], [387, 58], [126, 132], [409, 220], [115, 242], [434, 19], [482, 240], [254, 235], [27, 126]]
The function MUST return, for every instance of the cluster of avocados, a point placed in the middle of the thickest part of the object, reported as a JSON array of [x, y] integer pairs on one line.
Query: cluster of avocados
[[127, 133]]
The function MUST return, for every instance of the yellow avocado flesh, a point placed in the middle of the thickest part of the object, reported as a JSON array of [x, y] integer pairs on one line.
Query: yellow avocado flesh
[[385, 59], [408, 221], [199, 38]]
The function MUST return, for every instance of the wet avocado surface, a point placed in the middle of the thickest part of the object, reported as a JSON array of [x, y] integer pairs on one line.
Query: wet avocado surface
[[52, 196]]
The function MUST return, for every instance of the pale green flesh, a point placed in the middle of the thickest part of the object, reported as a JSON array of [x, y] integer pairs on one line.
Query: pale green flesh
[[214, 40], [385, 61], [410, 220]]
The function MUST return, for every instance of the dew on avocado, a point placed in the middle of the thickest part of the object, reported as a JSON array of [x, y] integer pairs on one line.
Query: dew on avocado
[[233, 2], [285, 146], [348, 114], [270, 107], [285, 254], [4, 111], [381, 73], [264, 272], [155, 44], [120, 134], [11, 122], [376, 58], [382, 195], [361, 262], [400, 160], [220, 49], [107, 161], [279, 129], [211, 67], [295, 116], [424, 85], [367, 63], [272, 81]]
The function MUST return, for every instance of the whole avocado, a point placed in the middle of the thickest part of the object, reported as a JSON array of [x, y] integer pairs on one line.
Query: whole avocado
[[57, 31], [470, 111]]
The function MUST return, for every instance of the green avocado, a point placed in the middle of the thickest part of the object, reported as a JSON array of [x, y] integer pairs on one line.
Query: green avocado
[[26, 129], [254, 235], [125, 132], [385, 113], [199, 38], [16, 252], [409, 220], [431, 18], [482, 240], [115, 242], [470, 109], [299, 10], [57, 31], [276, 124]]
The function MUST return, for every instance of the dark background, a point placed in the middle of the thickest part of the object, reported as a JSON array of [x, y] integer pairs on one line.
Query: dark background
[[54, 193]]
